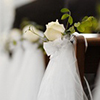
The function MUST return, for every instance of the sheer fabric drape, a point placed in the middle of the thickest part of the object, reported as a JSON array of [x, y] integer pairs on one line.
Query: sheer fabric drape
[[22, 72], [96, 91], [61, 80]]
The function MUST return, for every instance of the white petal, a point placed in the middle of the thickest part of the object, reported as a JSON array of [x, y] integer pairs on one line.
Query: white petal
[[30, 36], [52, 34]]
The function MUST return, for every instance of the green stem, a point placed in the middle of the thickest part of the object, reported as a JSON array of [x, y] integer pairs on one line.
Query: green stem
[[67, 25]]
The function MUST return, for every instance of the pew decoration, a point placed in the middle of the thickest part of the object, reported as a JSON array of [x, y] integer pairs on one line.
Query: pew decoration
[[17, 36], [22, 65], [61, 80]]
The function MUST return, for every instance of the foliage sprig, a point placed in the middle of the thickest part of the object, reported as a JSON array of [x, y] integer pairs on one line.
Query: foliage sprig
[[87, 25]]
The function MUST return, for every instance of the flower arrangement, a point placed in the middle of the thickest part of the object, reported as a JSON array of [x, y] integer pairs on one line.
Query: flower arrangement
[[55, 30], [17, 36]]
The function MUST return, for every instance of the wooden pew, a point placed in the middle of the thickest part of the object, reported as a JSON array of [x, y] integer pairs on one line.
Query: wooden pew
[[88, 60]]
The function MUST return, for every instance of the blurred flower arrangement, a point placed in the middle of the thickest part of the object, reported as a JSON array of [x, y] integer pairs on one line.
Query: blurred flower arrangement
[[17, 36]]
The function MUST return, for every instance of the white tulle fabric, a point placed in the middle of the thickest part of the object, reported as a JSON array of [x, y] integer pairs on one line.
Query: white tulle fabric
[[14, 68], [4, 66], [21, 74], [6, 11], [96, 92], [61, 80], [30, 73]]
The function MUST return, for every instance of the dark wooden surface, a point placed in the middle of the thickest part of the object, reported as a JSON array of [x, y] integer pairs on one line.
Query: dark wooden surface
[[88, 60], [80, 54]]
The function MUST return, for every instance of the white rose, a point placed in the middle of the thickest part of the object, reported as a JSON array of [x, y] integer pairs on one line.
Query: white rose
[[15, 34], [29, 35], [54, 30]]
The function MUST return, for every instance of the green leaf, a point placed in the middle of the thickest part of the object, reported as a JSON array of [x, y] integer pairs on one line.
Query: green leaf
[[70, 20], [95, 24], [85, 18], [77, 24], [64, 16], [90, 18], [71, 29], [86, 23], [81, 28], [64, 10]]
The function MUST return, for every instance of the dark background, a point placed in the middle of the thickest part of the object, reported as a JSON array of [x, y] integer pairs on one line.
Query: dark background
[[44, 11]]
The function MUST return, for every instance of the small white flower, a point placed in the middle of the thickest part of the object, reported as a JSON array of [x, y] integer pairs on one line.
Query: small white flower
[[15, 35], [29, 34], [54, 30]]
